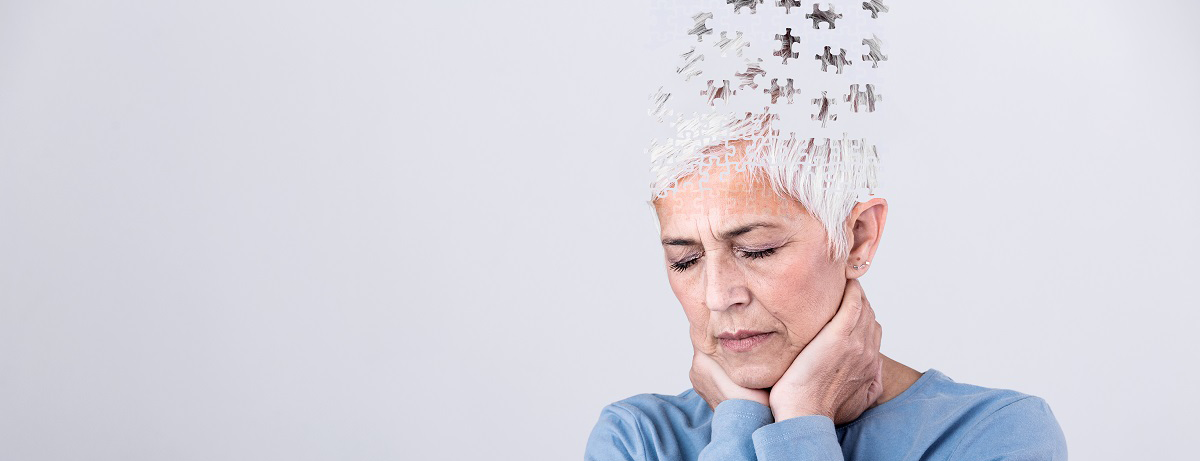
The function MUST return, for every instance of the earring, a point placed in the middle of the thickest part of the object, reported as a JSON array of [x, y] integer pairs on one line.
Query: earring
[[864, 264]]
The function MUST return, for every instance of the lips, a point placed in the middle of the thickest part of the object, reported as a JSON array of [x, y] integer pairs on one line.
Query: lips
[[740, 334], [743, 340]]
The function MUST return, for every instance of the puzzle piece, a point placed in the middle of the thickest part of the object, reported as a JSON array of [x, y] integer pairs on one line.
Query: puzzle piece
[[827, 16], [875, 7], [857, 98], [823, 114], [787, 5], [738, 4], [753, 69], [737, 43], [875, 55], [786, 91], [714, 93], [786, 49], [660, 101], [701, 29], [827, 59], [688, 70]]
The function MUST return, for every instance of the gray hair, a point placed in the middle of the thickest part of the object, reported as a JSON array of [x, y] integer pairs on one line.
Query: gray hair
[[825, 178]]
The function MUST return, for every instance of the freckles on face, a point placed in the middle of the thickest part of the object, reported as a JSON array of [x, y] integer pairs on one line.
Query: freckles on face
[[741, 259]]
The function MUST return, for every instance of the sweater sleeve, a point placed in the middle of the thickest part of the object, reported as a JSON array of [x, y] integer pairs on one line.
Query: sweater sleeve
[[1024, 430], [733, 423], [803, 438], [615, 437]]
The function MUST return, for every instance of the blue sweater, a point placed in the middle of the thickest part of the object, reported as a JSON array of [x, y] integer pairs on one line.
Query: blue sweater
[[935, 419]]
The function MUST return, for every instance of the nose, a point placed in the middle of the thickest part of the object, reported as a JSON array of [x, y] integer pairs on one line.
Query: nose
[[724, 283]]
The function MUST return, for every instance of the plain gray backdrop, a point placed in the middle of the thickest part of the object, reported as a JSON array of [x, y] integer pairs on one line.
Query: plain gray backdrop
[[256, 230]]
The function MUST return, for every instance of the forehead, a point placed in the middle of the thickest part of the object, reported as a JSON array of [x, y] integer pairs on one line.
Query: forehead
[[724, 193]]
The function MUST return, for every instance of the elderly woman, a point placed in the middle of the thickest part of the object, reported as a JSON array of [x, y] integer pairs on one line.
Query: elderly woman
[[764, 249]]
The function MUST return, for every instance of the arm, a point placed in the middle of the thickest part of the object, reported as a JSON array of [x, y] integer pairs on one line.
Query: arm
[[1024, 430], [807, 438], [733, 423], [615, 437]]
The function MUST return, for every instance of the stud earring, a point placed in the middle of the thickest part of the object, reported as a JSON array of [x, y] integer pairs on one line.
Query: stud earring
[[864, 264]]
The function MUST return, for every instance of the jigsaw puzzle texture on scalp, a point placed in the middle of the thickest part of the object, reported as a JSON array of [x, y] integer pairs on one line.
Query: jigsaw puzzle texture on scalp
[[817, 105]]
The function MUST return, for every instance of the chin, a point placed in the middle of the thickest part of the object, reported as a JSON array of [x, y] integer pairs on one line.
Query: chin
[[755, 377]]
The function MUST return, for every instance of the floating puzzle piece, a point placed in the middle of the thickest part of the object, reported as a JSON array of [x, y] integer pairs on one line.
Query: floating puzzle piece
[[875, 7], [823, 114], [786, 49], [700, 29], [738, 4], [688, 70], [753, 69], [827, 16], [736, 43], [715, 93], [874, 55], [787, 5], [860, 99], [786, 91], [827, 59], [657, 108]]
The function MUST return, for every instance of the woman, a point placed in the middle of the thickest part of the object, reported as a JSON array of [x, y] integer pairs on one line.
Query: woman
[[764, 243]]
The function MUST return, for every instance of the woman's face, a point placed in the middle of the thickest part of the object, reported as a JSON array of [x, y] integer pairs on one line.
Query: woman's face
[[742, 259]]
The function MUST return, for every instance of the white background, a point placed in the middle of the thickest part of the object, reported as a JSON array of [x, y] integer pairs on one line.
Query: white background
[[248, 230]]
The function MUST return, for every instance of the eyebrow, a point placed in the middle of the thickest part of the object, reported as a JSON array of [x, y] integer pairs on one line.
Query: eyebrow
[[729, 234]]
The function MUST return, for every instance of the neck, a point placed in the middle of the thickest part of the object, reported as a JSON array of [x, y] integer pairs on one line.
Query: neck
[[897, 378]]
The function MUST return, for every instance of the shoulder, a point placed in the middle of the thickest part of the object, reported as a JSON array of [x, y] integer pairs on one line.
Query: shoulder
[[631, 428], [996, 423]]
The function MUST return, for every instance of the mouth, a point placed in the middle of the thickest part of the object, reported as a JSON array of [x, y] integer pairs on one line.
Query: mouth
[[743, 340]]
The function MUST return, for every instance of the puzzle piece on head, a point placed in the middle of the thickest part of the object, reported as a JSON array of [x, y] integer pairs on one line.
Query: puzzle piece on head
[[689, 69], [785, 49], [753, 69], [737, 43], [786, 91], [823, 110], [827, 16], [865, 99], [738, 4], [875, 7], [874, 55], [700, 29], [828, 58], [787, 5], [722, 92]]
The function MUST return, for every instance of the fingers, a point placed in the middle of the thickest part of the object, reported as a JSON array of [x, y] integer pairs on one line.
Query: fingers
[[850, 312]]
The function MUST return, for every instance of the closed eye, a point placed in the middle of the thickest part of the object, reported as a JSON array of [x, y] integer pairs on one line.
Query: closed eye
[[758, 254]]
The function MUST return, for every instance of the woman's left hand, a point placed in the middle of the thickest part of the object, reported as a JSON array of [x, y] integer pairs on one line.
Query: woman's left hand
[[840, 373]]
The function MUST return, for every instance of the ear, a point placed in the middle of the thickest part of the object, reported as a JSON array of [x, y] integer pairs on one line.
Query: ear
[[866, 228]]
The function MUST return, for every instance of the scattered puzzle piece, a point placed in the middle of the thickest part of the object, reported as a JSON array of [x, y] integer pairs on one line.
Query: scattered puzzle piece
[[700, 29], [787, 5], [736, 43], [657, 109], [875, 55], [785, 49], [857, 98], [688, 70], [875, 7], [827, 16], [738, 4], [714, 93], [786, 91], [753, 69], [823, 114], [827, 59]]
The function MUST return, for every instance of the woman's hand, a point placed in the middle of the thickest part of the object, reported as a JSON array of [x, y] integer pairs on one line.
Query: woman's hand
[[712, 383], [840, 373]]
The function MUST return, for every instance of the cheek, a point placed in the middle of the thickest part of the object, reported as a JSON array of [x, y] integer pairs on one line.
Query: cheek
[[691, 299], [802, 296]]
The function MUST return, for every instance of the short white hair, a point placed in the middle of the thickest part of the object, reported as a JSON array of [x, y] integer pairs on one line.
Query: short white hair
[[825, 178]]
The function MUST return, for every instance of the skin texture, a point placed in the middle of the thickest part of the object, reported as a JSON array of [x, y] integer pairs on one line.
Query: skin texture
[[776, 276]]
